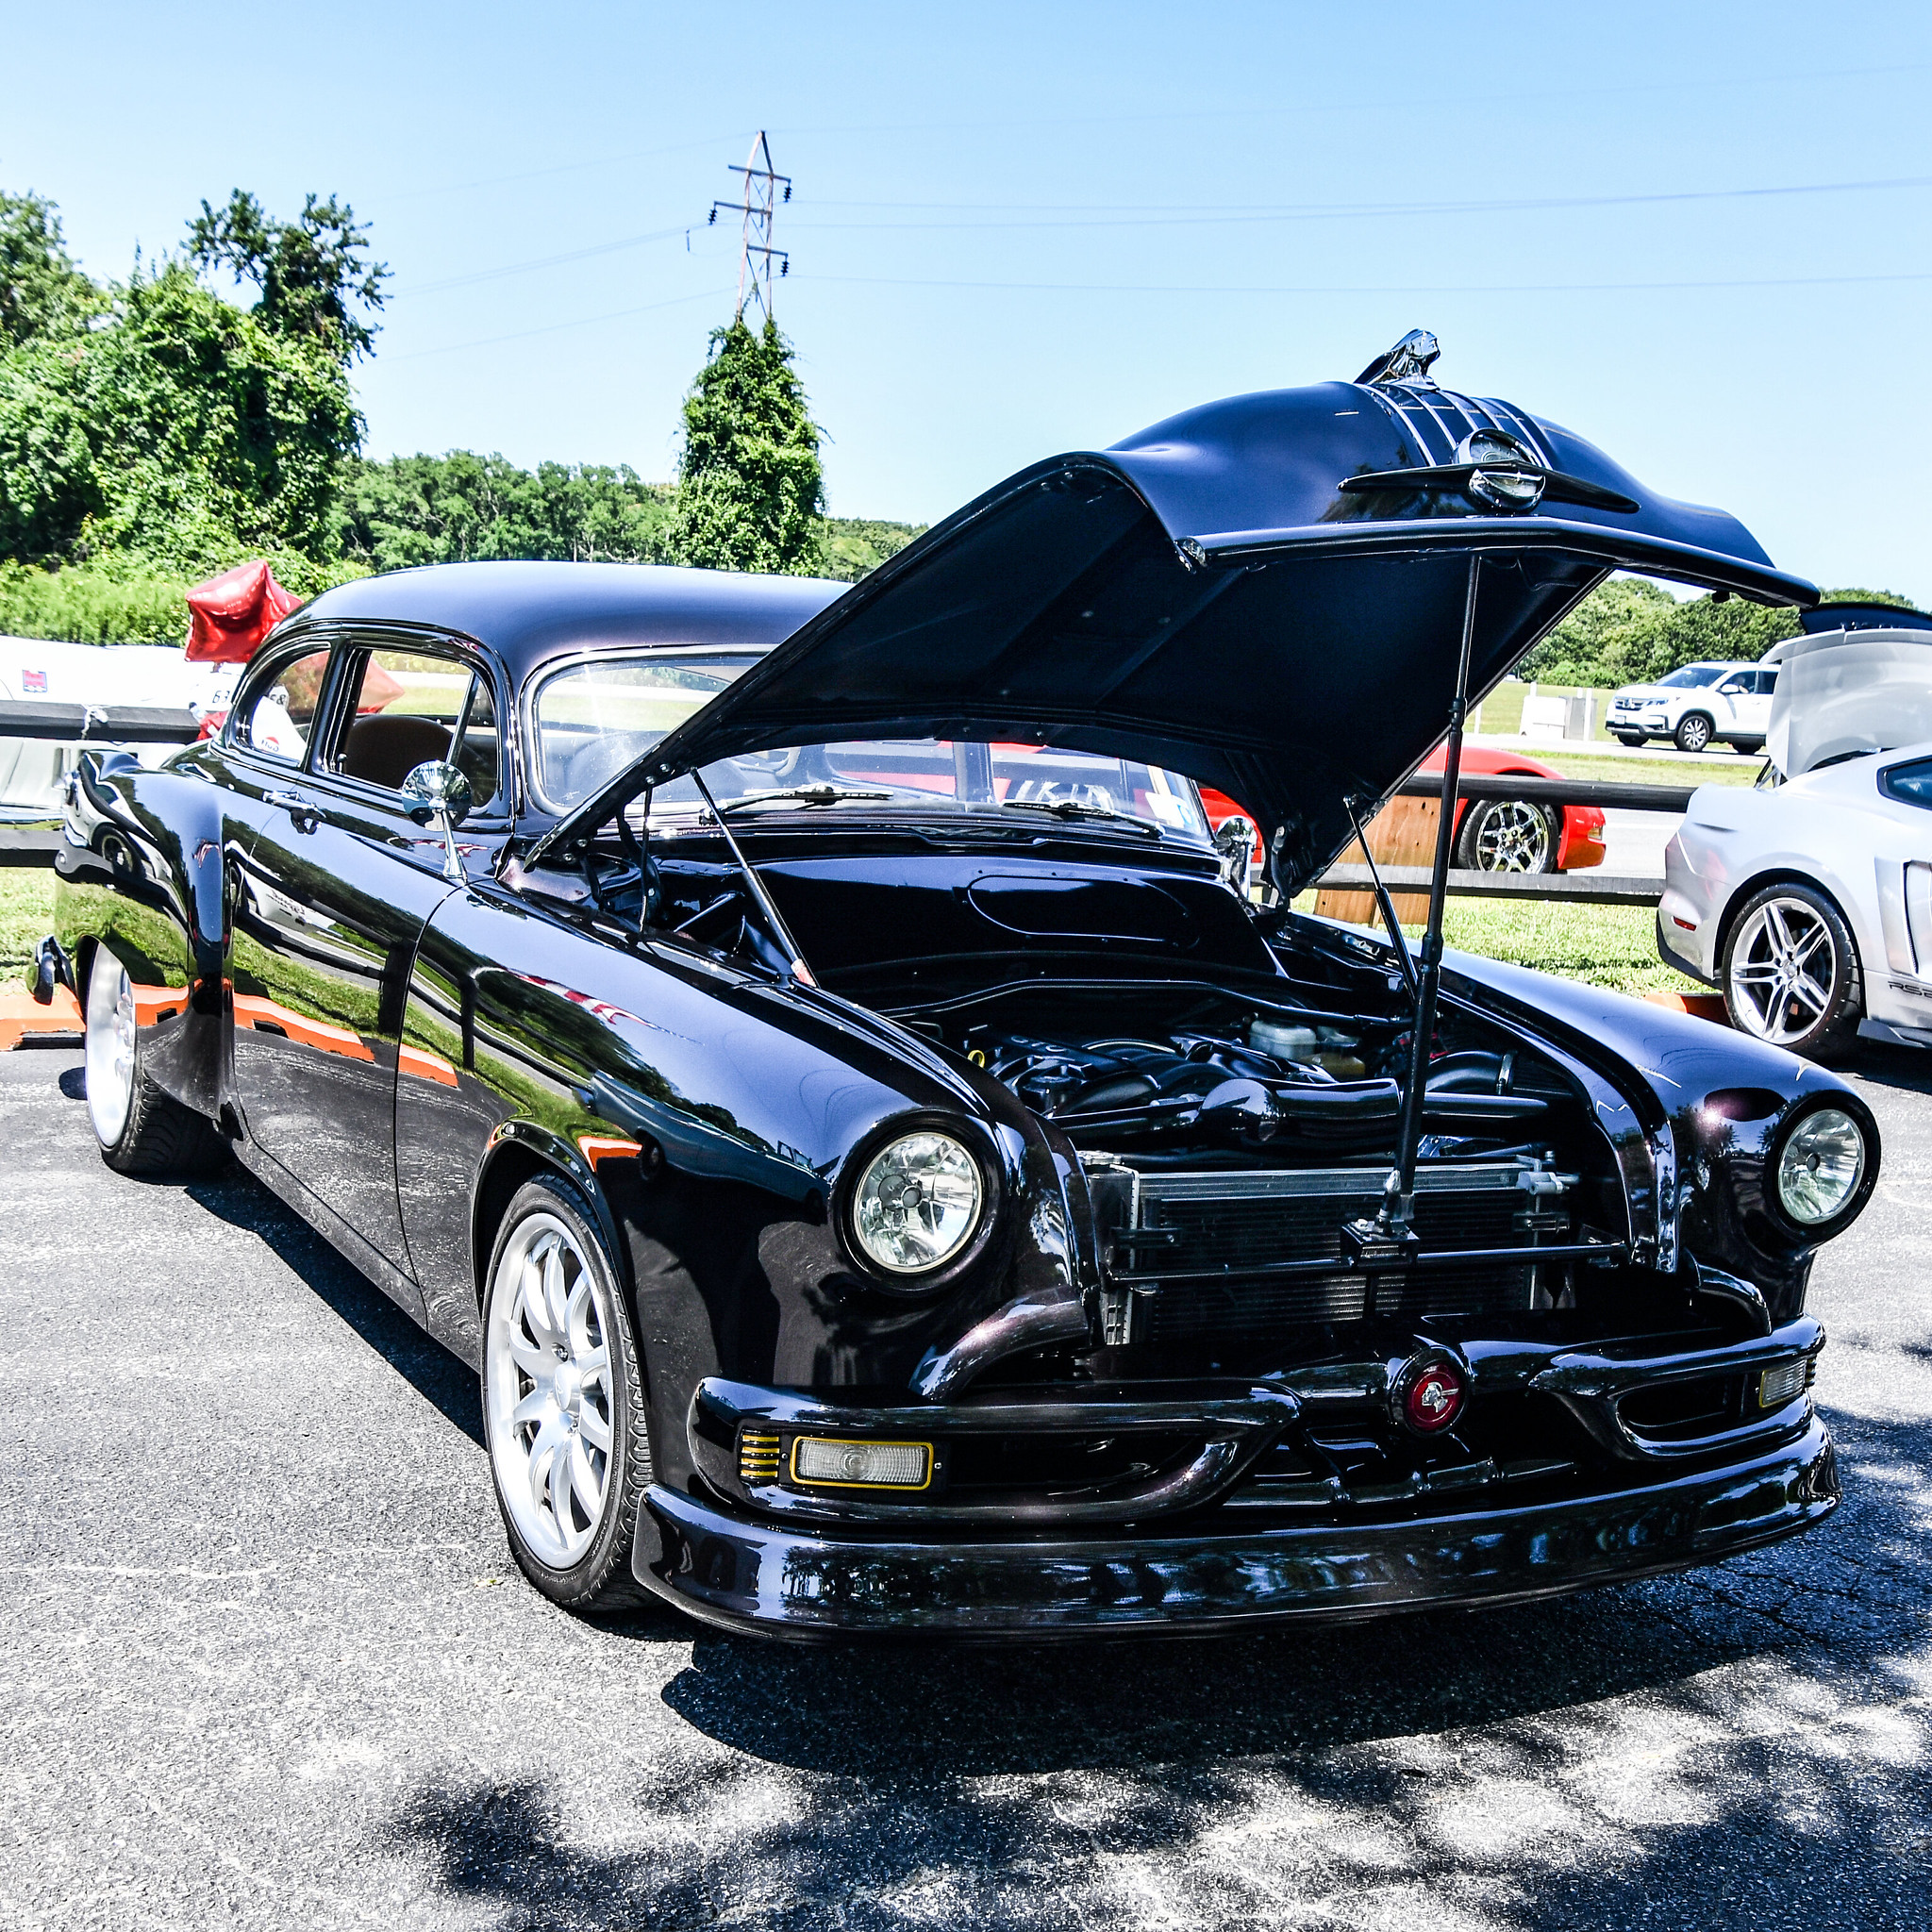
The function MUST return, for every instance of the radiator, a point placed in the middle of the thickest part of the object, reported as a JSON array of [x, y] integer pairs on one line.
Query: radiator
[[1197, 1246]]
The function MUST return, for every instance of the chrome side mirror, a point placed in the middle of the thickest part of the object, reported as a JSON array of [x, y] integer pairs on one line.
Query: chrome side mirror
[[439, 792], [1235, 841]]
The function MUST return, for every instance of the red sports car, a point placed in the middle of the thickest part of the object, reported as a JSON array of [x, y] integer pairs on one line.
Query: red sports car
[[1493, 835]]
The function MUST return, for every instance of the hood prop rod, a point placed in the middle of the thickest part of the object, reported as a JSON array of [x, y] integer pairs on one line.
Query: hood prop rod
[[1404, 963], [1389, 1240], [774, 920]]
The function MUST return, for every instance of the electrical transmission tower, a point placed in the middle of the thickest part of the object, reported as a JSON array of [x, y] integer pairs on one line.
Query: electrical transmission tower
[[760, 208]]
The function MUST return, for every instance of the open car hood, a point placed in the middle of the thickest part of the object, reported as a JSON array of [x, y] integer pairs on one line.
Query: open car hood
[[1243, 593], [1842, 692]]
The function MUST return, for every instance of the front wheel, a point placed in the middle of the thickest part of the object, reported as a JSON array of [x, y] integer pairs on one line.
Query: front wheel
[[1792, 973], [563, 1401], [141, 1129], [1507, 835], [1693, 732]]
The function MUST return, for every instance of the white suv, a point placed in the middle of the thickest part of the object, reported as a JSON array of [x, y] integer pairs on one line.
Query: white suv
[[1696, 703]]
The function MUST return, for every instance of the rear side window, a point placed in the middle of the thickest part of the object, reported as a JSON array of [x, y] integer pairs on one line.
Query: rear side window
[[1767, 682], [280, 718], [1910, 784], [404, 709]]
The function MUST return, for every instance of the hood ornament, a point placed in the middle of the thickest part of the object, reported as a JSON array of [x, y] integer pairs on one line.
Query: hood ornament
[[1407, 362], [1504, 476]]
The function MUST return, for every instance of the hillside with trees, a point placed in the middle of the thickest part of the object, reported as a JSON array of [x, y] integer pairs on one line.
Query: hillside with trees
[[154, 431]]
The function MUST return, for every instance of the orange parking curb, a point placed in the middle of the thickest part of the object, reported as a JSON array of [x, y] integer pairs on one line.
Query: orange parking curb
[[20, 1015], [1706, 1006]]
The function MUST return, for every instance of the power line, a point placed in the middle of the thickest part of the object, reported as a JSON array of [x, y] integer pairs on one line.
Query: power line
[[551, 328], [515, 268], [1369, 210], [1374, 289]]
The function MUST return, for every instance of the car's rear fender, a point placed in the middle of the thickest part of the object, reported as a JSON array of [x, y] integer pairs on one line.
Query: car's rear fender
[[141, 871]]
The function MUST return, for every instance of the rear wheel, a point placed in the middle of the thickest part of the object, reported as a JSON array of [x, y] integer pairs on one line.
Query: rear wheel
[[563, 1401], [1694, 731], [1507, 835], [141, 1129], [1792, 973]]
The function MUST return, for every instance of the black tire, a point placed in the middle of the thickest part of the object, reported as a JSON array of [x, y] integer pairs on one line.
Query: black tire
[[139, 1130], [1694, 731], [598, 1577], [1799, 1011], [1632, 739], [1508, 835]]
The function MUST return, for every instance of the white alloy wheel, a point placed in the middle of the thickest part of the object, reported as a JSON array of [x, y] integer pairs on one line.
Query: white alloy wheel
[[1785, 972], [110, 1051], [1513, 836], [548, 1390]]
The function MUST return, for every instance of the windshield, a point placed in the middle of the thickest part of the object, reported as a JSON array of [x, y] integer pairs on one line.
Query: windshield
[[594, 718], [1694, 675]]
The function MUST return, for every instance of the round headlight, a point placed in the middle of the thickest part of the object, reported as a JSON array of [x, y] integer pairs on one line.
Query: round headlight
[[917, 1203], [1821, 1167]]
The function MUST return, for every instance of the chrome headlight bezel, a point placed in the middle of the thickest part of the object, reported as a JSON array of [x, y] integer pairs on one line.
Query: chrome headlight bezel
[[916, 1284], [1861, 1121]]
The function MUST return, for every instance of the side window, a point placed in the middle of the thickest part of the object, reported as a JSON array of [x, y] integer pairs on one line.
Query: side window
[[1732, 686], [1911, 784], [1767, 682], [403, 709], [279, 717]]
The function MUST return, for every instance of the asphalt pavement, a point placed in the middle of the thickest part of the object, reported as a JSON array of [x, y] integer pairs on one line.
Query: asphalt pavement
[[265, 1661]]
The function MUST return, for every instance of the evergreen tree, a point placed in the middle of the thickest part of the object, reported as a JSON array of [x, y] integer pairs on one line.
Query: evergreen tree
[[750, 490]]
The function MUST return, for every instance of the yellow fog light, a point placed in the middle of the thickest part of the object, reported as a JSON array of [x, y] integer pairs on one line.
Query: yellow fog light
[[862, 1465]]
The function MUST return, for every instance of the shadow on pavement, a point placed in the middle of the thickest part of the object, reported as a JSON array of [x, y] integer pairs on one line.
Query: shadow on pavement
[[242, 1202], [1743, 1745]]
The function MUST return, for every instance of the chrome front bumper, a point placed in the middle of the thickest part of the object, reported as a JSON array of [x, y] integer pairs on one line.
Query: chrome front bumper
[[787, 1582]]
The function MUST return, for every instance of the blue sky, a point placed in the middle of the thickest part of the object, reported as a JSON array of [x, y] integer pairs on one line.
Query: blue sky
[[1018, 229]]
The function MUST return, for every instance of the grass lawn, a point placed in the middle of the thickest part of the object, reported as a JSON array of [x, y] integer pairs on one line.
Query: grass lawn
[[1601, 946], [26, 915], [1620, 771]]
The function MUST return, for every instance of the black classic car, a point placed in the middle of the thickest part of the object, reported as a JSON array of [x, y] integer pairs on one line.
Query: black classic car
[[891, 1168]]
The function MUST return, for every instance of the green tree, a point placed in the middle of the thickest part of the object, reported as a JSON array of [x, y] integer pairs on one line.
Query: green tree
[[856, 546], [751, 492], [314, 272], [41, 292], [1605, 639], [460, 507], [154, 422], [1627, 631]]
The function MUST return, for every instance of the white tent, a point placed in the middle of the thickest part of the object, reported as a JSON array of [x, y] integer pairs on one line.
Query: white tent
[[45, 670]]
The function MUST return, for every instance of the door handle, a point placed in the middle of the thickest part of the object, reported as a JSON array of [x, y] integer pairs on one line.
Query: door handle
[[302, 815]]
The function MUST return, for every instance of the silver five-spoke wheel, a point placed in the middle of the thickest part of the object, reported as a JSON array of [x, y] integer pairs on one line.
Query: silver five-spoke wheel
[[548, 1400], [1790, 971], [110, 1051]]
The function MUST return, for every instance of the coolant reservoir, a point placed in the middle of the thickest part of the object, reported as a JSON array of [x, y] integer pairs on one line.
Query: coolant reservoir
[[1284, 1042], [1312, 1047]]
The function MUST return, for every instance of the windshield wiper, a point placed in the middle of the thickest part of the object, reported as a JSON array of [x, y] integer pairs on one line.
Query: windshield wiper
[[802, 794], [1074, 809]]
